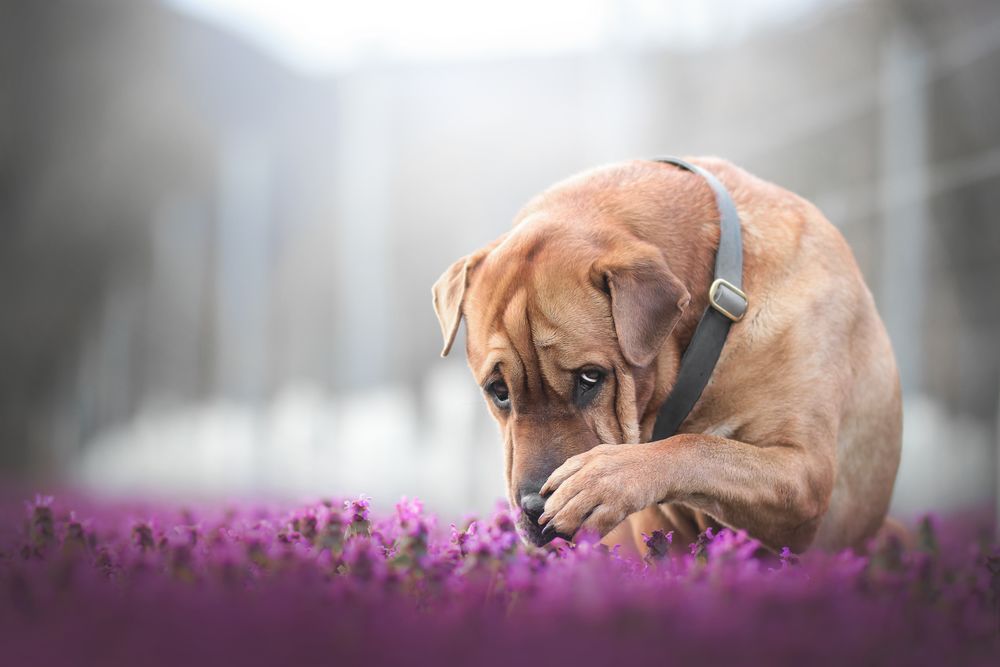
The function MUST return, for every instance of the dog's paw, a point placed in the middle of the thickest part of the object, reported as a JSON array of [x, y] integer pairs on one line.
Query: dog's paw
[[595, 491]]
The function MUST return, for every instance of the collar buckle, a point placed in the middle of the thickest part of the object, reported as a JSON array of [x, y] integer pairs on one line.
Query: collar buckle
[[728, 299]]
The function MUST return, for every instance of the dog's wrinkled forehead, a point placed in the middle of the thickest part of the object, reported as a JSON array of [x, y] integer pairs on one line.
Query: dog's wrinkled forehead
[[533, 299]]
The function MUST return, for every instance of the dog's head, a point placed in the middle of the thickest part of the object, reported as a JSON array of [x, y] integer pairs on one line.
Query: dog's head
[[565, 317]]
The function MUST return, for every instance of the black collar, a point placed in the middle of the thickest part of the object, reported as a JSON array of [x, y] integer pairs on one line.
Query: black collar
[[727, 304]]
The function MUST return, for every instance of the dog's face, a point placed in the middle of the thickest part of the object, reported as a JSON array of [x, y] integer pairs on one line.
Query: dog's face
[[563, 328]]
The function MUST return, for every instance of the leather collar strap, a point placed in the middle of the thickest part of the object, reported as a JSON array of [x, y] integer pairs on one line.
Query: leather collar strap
[[727, 304]]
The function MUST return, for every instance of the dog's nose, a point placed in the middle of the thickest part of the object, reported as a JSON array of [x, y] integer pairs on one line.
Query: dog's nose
[[532, 505]]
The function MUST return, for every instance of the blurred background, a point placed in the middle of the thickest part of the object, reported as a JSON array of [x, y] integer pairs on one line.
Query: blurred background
[[221, 219]]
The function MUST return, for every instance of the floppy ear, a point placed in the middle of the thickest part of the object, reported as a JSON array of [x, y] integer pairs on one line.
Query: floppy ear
[[449, 291], [647, 300]]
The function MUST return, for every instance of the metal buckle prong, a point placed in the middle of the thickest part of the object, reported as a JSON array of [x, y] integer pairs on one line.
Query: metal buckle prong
[[714, 299]]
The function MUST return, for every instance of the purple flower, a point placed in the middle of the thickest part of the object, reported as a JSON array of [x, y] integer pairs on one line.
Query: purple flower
[[657, 545], [358, 511]]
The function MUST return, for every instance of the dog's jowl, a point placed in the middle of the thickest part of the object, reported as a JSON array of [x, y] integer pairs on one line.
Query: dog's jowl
[[578, 317]]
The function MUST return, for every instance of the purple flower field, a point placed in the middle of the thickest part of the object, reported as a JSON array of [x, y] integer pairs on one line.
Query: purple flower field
[[331, 583]]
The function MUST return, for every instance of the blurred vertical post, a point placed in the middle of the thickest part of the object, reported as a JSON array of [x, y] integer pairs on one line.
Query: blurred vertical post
[[363, 208], [904, 203], [242, 268], [105, 393], [243, 273], [177, 300]]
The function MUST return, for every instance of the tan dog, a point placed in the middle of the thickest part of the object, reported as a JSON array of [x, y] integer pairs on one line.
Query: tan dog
[[577, 319]]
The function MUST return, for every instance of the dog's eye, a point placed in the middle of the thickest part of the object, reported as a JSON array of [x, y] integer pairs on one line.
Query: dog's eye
[[500, 394], [589, 379]]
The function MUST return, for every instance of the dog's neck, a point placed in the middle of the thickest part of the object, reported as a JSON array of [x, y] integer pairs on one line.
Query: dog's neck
[[690, 253], [689, 244]]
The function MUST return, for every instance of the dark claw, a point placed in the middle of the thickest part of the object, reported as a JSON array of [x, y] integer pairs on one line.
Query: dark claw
[[549, 531]]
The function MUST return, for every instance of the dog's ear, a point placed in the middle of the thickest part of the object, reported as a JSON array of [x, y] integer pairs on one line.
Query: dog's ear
[[449, 293], [647, 300]]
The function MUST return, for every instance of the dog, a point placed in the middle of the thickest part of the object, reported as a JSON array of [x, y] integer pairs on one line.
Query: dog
[[576, 321]]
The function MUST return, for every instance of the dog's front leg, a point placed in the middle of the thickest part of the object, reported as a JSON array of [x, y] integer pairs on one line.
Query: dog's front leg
[[777, 493]]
